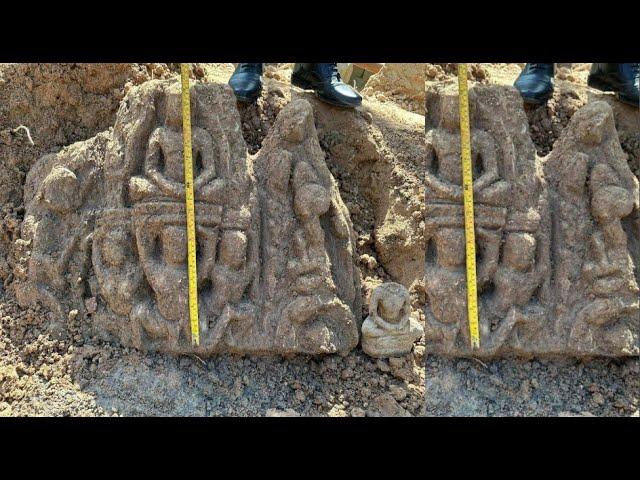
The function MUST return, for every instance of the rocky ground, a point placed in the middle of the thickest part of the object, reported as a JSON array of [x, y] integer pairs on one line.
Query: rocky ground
[[373, 153], [532, 388], [40, 375], [540, 387]]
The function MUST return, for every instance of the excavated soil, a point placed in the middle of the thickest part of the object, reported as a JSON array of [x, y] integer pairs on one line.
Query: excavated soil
[[551, 387], [58, 373]]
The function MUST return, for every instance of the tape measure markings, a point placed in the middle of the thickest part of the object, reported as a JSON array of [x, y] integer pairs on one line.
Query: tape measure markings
[[467, 185], [190, 206]]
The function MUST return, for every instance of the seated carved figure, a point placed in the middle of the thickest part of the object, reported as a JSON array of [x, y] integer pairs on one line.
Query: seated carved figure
[[444, 174], [389, 330], [164, 167]]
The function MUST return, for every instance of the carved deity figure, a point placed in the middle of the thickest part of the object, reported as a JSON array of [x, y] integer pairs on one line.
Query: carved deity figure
[[596, 201], [516, 280], [444, 172], [60, 233], [390, 330], [164, 165], [612, 287], [510, 264]]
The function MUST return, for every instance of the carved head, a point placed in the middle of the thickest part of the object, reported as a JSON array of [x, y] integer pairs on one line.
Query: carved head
[[61, 190], [174, 245], [390, 301], [449, 112], [450, 109], [520, 250], [233, 249], [450, 247], [116, 247], [173, 110]]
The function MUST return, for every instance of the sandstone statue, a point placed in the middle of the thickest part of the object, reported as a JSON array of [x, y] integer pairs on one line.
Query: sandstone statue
[[555, 274], [390, 330], [596, 206], [275, 246]]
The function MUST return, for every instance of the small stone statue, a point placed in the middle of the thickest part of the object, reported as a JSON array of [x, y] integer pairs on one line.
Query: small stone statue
[[389, 330]]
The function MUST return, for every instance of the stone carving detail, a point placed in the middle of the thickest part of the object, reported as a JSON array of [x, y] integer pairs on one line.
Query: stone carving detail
[[276, 268], [525, 305], [390, 330], [595, 199], [509, 210]]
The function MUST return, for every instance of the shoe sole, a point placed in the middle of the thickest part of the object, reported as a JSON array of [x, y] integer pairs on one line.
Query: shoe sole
[[610, 85], [305, 84], [248, 99], [628, 101], [536, 101]]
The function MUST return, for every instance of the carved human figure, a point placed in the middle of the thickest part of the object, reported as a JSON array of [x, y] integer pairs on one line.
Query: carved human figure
[[445, 283], [518, 275], [613, 289], [62, 193], [231, 277], [444, 173], [516, 279], [390, 330], [445, 279], [117, 269], [163, 254], [311, 200], [164, 162]]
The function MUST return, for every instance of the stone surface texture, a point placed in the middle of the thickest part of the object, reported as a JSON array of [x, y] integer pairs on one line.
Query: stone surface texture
[[390, 330], [556, 237], [105, 223]]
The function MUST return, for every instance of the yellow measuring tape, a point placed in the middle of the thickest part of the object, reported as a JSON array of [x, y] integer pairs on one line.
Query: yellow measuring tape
[[190, 206], [467, 186]]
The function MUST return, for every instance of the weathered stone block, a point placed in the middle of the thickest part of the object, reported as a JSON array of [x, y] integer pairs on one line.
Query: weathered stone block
[[555, 273], [275, 245]]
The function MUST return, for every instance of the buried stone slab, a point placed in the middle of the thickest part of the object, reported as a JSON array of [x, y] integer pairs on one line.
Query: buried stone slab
[[275, 246], [555, 273]]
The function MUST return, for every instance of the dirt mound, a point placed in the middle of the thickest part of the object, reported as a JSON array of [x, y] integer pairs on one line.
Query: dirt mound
[[400, 83]]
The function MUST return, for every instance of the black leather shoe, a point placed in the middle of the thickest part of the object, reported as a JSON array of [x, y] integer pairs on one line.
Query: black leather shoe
[[324, 79], [535, 83], [246, 81], [621, 78]]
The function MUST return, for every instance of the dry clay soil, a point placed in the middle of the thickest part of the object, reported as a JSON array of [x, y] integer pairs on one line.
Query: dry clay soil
[[45, 375]]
